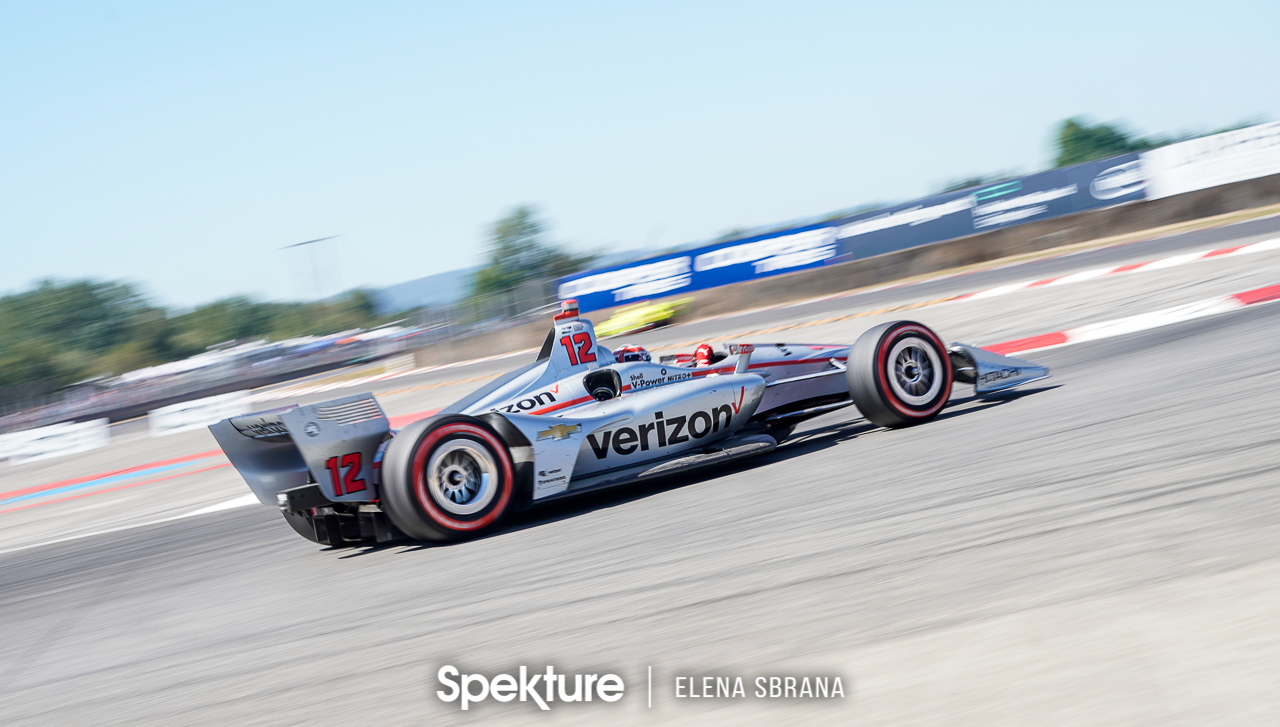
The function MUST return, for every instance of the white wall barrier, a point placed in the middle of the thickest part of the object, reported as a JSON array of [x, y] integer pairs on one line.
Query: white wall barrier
[[399, 364], [56, 440], [190, 415], [1232, 156]]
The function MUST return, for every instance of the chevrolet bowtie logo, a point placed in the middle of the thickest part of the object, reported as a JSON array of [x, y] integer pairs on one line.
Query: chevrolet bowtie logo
[[559, 431]]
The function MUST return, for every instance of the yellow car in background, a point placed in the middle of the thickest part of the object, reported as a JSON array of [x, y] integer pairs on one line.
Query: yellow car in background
[[643, 316]]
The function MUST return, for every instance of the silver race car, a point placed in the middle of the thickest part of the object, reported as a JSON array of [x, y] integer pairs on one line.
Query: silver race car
[[581, 418]]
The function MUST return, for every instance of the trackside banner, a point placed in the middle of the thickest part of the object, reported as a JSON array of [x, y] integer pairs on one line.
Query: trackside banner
[[55, 440], [1232, 156], [1026, 199], [197, 414], [933, 219], [705, 267]]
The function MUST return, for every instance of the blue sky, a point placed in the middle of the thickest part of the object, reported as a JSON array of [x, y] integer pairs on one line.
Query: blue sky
[[180, 145]]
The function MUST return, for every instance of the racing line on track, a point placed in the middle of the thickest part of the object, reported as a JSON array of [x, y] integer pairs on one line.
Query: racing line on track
[[103, 478], [116, 480]]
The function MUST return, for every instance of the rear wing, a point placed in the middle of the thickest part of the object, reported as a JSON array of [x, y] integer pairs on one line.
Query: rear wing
[[332, 444]]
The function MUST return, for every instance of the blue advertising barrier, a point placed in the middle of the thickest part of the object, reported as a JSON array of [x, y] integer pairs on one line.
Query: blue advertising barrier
[[994, 206], [943, 217]]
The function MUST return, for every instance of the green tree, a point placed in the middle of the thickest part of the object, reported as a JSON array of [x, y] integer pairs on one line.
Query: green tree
[[222, 320], [519, 252], [240, 319], [27, 362], [81, 314], [61, 332], [1078, 142], [54, 333]]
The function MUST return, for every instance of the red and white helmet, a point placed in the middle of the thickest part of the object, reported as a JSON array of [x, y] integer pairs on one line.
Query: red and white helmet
[[702, 355], [631, 352]]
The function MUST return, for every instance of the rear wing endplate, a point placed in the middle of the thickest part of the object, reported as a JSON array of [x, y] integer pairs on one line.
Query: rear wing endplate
[[332, 443]]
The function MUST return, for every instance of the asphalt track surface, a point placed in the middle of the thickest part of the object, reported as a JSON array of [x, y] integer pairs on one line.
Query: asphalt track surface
[[936, 569]]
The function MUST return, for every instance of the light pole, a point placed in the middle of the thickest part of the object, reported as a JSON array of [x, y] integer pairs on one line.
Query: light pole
[[315, 266]]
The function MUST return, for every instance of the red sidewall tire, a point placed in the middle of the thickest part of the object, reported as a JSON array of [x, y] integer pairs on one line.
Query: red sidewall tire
[[868, 375], [931, 408], [407, 499], [470, 431]]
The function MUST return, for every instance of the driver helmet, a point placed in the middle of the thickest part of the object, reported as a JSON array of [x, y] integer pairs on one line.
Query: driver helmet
[[631, 352], [702, 355]]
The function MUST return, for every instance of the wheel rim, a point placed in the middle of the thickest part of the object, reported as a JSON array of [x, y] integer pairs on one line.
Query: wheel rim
[[461, 475], [915, 371]]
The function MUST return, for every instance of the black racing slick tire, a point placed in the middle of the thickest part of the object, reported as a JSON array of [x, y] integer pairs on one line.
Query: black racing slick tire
[[447, 478], [899, 374]]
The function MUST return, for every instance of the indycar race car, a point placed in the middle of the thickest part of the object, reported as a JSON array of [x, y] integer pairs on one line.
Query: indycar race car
[[580, 418], [643, 316]]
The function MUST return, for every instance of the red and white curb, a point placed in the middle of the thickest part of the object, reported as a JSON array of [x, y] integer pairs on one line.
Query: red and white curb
[[1140, 322], [1161, 264], [1078, 277]]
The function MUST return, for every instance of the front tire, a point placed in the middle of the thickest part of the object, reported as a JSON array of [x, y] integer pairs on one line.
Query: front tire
[[447, 478], [899, 374]]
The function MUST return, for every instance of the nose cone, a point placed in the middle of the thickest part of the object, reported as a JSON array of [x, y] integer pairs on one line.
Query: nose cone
[[993, 372]]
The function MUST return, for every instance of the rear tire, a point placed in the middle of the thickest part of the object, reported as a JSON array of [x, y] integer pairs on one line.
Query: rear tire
[[899, 374], [447, 478]]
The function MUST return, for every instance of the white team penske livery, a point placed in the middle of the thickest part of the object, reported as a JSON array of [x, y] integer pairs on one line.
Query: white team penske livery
[[580, 418]]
